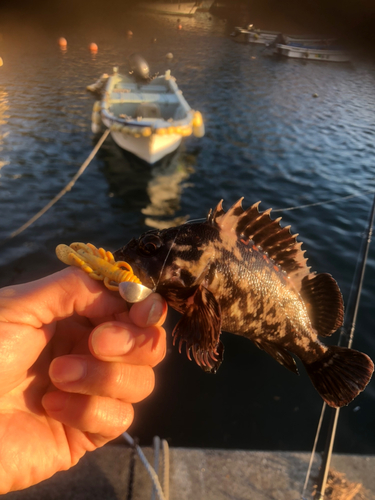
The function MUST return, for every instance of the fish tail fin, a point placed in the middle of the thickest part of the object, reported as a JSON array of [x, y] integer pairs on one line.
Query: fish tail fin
[[340, 375]]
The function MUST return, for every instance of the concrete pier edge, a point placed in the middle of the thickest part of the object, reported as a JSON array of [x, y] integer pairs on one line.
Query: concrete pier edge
[[198, 474]]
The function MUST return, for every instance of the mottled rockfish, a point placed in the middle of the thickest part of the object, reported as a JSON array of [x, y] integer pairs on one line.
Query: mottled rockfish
[[241, 272]]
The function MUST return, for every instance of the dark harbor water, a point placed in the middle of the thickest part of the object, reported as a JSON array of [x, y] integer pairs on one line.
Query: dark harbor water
[[267, 138]]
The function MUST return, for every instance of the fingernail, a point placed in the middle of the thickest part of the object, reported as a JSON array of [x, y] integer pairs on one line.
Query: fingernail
[[55, 401], [156, 310], [112, 340], [68, 369]]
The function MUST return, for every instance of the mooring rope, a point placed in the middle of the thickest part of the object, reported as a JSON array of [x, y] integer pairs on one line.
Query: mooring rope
[[67, 188]]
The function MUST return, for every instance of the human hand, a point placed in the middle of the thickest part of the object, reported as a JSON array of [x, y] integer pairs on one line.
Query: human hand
[[72, 360]]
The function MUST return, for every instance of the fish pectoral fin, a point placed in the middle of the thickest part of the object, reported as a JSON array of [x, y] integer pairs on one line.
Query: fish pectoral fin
[[281, 355], [324, 303], [200, 328]]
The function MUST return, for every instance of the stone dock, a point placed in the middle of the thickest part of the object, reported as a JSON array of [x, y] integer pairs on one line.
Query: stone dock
[[198, 474]]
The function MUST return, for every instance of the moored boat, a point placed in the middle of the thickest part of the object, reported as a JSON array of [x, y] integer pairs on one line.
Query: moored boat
[[252, 35], [312, 53], [148, 117]]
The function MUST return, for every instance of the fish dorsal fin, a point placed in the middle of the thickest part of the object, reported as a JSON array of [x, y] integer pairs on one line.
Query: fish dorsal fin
[[215, 214], [278, 242], [227, 221]]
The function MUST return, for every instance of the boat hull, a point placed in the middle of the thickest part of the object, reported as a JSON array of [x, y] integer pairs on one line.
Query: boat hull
[[241, 35], [150, 149], [312, 54], [264, 37]]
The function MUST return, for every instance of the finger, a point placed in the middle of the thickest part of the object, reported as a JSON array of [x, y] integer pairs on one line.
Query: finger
[[57, 297], [19, 350], [151, 311], [115, 341], [87, 375], [102, 416]]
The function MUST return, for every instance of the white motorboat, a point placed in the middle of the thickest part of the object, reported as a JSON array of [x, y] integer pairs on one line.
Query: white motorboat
[[148, 117], [251, 35], [264, 37], [312, 53]]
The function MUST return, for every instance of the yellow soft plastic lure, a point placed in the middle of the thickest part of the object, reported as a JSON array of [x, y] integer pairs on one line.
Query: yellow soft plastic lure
[[98, 263]]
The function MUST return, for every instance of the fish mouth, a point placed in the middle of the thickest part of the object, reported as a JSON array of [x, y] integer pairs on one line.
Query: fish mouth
[[144, 278], [128, 255]]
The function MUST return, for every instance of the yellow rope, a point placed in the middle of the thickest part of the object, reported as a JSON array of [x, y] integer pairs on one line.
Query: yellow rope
[[67, 188]]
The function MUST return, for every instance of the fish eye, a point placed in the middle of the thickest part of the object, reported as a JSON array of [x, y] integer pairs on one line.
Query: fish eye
[[149, 244]]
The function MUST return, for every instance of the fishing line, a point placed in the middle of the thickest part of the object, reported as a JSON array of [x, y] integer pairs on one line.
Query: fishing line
[[173, 243], [361, 276], [334, 200], [313, 451], [166, 258], [349, 325], [191, 221], [298, 207]]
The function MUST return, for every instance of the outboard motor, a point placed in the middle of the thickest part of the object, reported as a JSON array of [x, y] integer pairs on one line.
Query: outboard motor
[[139, 67], [280, 39]]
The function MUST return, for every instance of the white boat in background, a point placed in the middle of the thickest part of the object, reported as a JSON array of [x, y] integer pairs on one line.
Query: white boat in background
[[171, 8], [312, 53], [264, 37], [148, 117], [251, 35]]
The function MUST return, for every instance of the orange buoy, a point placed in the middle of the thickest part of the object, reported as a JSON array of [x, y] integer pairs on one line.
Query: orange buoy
[[129, 33], [63, 43], [180, 26], [93, 48]]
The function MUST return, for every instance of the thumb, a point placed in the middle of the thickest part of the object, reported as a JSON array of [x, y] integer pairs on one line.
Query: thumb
[[56, 297]]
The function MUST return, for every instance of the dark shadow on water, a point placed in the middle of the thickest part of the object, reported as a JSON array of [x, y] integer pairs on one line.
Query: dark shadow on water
[[127, 175], [155, 190]]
